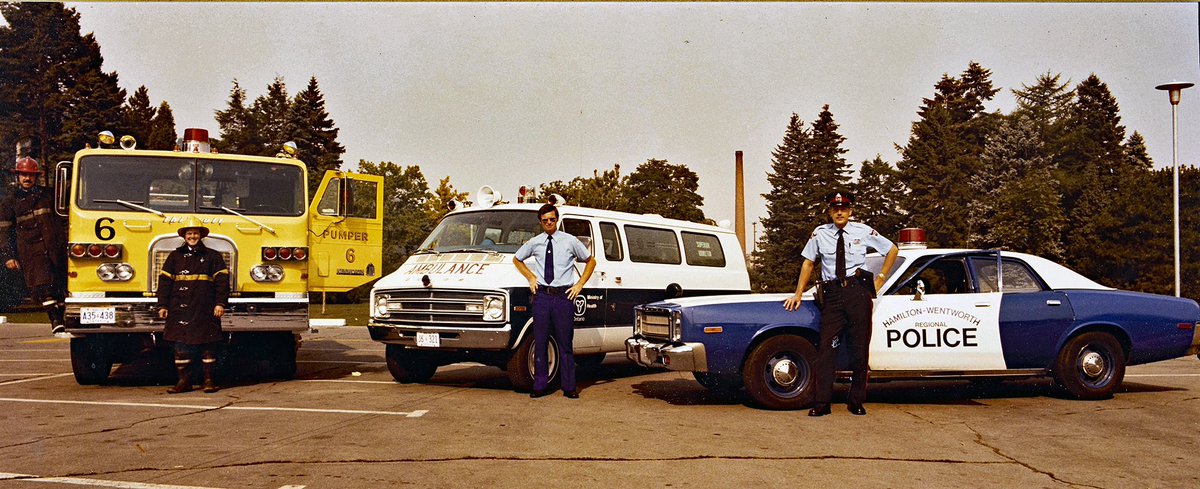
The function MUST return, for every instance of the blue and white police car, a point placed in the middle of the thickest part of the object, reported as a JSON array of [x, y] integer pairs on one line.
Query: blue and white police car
[[942, 313]]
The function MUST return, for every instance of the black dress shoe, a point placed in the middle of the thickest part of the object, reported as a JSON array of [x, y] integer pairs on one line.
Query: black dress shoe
[[541, 393], [857, 410], [819, 411], [571, 394]]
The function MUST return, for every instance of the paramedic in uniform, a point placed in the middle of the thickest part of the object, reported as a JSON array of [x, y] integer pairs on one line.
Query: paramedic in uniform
[[554, 289], [40, 242], [848, 289], [193, 290]]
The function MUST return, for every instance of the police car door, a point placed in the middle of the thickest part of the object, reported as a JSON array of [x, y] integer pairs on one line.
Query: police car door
[[345, 232], [1030, 312], [935, 320]]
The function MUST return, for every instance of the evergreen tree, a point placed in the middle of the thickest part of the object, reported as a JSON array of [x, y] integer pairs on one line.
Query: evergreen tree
[[43, 61], [943, 153], [878, 193], [406, 198], [137, 116], [658, 187], [1047, 104], [314, 134], [239, 128], [162, 129], [806, 166], [273, 113]]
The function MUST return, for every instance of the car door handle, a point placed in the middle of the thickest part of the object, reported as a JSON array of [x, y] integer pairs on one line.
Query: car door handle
[[1053, 302]]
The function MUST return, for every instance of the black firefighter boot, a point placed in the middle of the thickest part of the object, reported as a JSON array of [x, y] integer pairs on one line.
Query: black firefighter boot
[[55, 311], [210, 364], [182, 364]]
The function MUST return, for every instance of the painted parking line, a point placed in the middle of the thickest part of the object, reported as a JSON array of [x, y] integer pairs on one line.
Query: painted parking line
[[44, 377], [78, 481], [45, 341], [408, 414], [1162, 375], [35, 360], [338, 361]]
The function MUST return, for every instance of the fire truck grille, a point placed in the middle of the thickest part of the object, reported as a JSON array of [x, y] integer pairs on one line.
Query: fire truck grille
[[160, 257], [447, 308]]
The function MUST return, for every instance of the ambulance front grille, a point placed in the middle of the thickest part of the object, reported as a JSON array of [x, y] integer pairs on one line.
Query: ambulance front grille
[[446, 308]]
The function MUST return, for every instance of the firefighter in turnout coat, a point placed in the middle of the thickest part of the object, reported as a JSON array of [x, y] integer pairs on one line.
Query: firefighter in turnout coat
[[29, 224], [193, 290]]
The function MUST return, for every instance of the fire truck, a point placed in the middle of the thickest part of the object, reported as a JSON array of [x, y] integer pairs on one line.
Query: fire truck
[[124, 207]]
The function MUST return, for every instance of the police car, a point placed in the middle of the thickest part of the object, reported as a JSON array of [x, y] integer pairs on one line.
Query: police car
[[942, 313]]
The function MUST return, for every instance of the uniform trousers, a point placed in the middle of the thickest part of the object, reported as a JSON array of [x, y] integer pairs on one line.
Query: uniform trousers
[[845, 322], [553, 311]]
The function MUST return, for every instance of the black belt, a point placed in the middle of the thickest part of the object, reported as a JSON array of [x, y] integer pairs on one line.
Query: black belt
[[850, 281], [552, 290]]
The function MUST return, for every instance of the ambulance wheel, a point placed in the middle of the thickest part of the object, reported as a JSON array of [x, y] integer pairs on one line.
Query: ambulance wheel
[[719, 383], [1090, 366], [780, 373], [90, 359], [408, 367], [284, 358], [520, 365]]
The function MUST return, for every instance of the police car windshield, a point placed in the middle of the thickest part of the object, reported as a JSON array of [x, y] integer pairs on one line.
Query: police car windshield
[[501, 231], [190, 185]]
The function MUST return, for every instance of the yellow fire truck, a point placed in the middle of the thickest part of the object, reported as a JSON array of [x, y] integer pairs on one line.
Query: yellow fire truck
[[124, 207]]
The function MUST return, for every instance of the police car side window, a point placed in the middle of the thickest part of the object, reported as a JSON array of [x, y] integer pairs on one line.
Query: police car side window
[[944, 276], [610, 237], [703, 250], [1017, 276], [652, 245]]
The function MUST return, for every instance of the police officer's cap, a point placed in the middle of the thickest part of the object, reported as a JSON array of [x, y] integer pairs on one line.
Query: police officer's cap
[[840, 199], [193, 223]]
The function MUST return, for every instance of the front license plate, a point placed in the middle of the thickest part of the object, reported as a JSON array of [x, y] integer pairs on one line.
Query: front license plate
[[97, 315], [431, 340]]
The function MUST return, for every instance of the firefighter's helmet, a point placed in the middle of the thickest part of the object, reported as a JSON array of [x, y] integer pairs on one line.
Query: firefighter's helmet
[[191, 223], [29, 165]]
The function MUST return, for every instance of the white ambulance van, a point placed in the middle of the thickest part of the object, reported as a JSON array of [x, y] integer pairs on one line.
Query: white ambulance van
[[460, 299]]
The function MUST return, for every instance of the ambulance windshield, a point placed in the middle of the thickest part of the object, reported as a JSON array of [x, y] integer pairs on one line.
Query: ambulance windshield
[[486, 231], [190, 185]]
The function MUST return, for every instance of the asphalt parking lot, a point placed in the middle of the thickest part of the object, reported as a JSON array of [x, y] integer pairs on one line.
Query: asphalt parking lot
[[344, 424]]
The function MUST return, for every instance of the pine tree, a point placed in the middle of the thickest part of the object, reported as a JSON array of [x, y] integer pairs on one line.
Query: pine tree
[[658, 187], [273, 114], [1047, 104], [92, 105], [137, 116], [314, 133], [239, 128], [162, 129], [806, 166], [877, 193]]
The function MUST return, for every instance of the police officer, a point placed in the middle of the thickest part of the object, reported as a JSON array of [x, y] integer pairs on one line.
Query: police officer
[[847, 290], [554, 290], [41, 249], [193, 290]]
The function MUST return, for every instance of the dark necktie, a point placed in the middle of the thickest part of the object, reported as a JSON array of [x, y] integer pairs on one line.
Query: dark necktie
[[548, 273], [841, 255]]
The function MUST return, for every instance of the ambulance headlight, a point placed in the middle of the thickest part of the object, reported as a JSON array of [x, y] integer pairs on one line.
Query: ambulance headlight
[[493, 308], [266, 273], [115, 272], [381, 306]]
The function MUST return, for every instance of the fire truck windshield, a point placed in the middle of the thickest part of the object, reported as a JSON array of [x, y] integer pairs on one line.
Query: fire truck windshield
[[500, 231], [190, 185]]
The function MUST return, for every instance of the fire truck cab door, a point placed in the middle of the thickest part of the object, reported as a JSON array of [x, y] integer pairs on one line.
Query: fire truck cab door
[[345, 232]]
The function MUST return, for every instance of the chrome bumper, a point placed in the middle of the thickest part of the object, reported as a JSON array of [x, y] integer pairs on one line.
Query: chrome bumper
[[450, 338], [243, 315], [688, 357]]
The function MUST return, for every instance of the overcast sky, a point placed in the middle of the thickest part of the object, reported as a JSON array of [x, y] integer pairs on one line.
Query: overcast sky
[[517, 94]]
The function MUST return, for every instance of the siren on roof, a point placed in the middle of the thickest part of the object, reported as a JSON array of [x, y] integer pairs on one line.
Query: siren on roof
[[912, 238], [487, 196], [196, 140], [556, 200]]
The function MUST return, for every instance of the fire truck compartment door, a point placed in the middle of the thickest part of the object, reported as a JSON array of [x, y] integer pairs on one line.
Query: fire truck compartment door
[[345, 232]]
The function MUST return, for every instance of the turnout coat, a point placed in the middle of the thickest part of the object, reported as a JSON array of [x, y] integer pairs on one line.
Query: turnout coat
[[29, 224], [192, 282]]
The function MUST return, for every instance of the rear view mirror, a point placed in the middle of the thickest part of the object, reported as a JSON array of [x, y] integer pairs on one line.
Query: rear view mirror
[[920, 293]]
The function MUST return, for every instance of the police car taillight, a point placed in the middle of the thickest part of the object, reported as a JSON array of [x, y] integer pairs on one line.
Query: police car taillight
[[912, 238]]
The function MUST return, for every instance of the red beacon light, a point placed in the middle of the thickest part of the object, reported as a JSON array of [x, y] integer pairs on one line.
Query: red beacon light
[[195, 140], [912, 238]]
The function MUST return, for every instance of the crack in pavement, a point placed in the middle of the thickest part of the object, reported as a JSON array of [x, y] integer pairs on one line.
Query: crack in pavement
[[114, 428], [980, 441]]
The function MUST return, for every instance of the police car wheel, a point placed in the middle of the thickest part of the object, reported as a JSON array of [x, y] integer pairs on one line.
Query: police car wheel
[[520, 365], [779, 373], [91, 361], [408, 367], [719, 383], [1090, 366]]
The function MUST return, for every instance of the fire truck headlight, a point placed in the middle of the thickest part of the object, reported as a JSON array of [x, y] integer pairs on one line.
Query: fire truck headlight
[[124, 272], [493, 308], [381, 306], [266, 273], [115, 272]]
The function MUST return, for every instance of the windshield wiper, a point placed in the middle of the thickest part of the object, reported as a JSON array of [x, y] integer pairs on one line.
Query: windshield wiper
[[132, 205], [243, 216], [475, 250], [427, 250]]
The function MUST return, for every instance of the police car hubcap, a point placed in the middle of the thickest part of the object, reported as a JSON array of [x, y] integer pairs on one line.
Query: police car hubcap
[[784, 372], [1092, 364]]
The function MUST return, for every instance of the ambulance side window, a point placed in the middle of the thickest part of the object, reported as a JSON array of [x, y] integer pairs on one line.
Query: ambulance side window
[[652, 245], [610, 236], [581, 229], [703, 250]]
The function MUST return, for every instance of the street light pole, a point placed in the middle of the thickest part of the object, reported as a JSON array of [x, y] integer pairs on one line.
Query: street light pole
[[1174, 88]]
